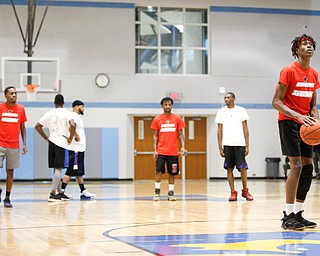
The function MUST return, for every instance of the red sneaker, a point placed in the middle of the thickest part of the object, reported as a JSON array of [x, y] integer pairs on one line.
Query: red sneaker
[[233, 196], [246, 194]]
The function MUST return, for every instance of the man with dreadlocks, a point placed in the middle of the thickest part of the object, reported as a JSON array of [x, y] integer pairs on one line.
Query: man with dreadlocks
[[295, 99]]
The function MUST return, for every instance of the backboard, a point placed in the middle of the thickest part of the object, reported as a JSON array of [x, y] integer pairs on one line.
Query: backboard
[[23, 71]]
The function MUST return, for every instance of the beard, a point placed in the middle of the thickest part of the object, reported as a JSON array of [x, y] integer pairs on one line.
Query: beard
[[81, 112], [167, 110]]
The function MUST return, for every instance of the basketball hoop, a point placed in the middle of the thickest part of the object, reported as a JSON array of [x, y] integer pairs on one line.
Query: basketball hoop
[[31, 91]]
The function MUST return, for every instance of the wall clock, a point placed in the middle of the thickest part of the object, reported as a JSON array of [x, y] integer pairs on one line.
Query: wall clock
[[102, 80]]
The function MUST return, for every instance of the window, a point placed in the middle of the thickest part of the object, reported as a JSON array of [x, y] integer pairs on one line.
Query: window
[[171, 40]]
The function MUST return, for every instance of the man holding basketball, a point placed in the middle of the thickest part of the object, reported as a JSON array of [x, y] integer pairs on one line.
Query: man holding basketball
[[295, 99]]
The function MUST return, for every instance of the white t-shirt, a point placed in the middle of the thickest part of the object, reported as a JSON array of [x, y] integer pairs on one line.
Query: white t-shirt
[[78, 146], [232, 129], [56, 120]]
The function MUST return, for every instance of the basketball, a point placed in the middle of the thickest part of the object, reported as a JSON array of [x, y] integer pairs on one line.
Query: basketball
[[311, 134]]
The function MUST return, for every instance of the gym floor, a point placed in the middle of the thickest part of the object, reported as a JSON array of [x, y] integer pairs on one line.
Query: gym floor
[[124, 220]]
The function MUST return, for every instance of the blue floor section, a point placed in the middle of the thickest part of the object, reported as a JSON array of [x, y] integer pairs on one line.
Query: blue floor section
[[263, 243]]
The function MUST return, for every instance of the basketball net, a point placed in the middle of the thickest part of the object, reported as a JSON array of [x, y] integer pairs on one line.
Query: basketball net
[[31, 91]]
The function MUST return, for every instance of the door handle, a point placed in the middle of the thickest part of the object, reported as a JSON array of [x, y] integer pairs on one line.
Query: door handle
[[135, 152], [197, 152]]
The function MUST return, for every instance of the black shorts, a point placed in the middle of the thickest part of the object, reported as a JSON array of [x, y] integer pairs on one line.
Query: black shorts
[[234, 156], [291, 143], [57, 156], [172, 164], [76, 164]]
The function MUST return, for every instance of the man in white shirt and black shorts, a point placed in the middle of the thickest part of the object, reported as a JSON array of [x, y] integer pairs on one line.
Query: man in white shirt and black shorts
[[233, 142], [76, 153], [56, 120]]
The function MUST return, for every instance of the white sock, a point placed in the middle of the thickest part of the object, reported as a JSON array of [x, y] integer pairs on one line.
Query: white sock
[[298, 207], [289, 208], [171, 187], [157, 185]]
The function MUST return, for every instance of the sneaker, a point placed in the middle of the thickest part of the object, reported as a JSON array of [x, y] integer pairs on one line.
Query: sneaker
[[54, 198], [233, 196], [70, 197], [7, 203], [63, 197], [307, 223], [246, 194], [171, 196], [290, 222], [156, 196], [85, 198], [86, 195]]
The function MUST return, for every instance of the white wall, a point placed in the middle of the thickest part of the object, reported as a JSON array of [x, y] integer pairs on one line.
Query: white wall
[[247, 52]]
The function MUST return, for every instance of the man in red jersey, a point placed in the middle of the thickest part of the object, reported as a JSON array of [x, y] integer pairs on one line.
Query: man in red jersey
[[295, 99], [13, 117], [167, 129]]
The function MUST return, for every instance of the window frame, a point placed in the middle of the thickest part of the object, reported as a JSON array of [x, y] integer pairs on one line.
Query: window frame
[[183, 48]]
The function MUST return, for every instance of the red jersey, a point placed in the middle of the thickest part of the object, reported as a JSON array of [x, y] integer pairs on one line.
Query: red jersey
[[11, 119], [168, 127], [301, 85]]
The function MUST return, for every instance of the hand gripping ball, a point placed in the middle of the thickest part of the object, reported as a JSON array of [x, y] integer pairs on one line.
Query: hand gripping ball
[[311, 134]]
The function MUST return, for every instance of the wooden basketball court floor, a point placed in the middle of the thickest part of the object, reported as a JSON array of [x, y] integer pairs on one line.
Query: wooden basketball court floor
[[123, 220]]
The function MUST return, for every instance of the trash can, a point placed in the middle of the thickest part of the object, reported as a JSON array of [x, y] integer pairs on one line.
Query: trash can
[[272, 166]]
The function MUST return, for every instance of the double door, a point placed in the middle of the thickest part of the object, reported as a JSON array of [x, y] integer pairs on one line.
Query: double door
[[194, 164]]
